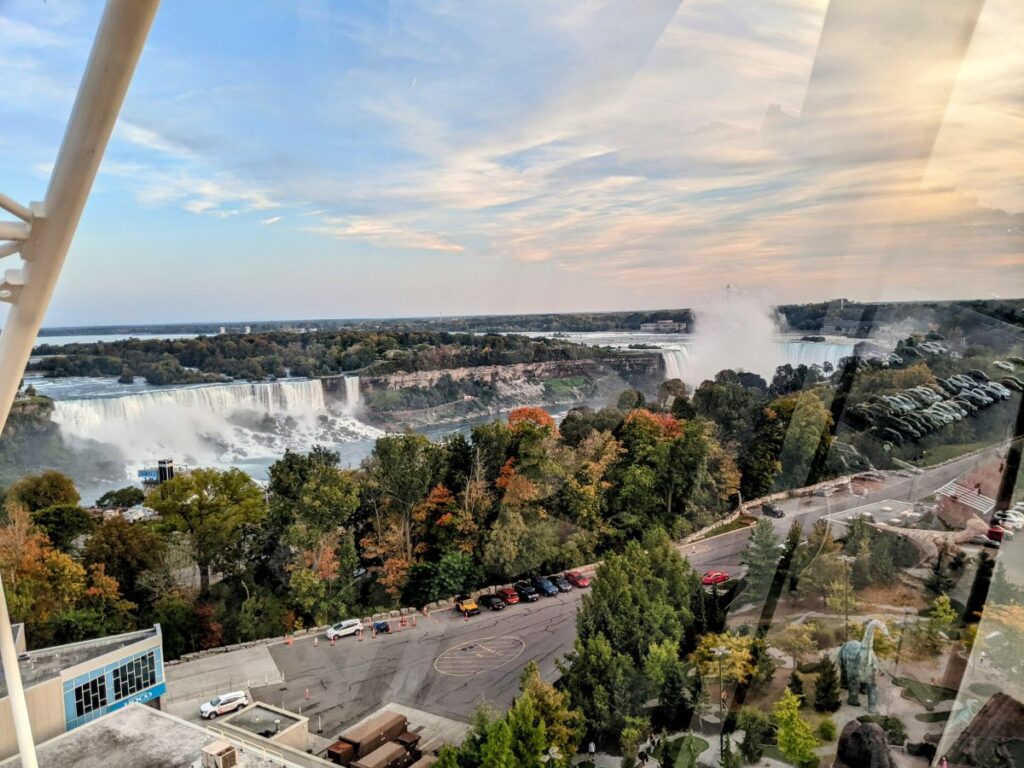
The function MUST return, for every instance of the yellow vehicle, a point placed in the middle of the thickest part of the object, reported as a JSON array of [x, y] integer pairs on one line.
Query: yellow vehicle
[[466, 605]]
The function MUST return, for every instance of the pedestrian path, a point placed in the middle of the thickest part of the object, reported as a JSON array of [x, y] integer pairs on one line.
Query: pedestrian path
[[968, 496]]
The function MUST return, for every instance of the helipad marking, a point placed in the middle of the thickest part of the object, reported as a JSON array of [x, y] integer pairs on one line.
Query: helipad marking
[[475, 656]]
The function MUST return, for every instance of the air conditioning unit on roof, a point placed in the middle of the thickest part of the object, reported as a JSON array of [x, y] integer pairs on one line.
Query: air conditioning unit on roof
[[220, 754]]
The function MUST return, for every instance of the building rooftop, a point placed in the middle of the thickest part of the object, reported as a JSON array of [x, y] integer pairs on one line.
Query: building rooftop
[[138, 736], [264, 720], [37, 666]]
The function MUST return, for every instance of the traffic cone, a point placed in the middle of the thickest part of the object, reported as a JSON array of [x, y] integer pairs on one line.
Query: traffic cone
[[466, 615], [288, 640], [414, 620], [360, 633], [306, 695], [316, 642], [332, 641]]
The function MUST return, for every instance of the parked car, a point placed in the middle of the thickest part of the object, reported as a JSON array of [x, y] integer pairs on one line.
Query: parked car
[[466, 605], [770, 510], [508, 595], [984, 541], [221, 705], [561, 583], [544, 586], [577, 579], [527, 592], [1007, 533], [492, 602], [714, 577], [342, 628], [995, 533]]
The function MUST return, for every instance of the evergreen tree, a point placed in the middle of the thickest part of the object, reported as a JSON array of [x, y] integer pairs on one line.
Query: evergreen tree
[[756, 728], [826, 686], [795, 737], [796, 685], [730, 758], [761, 559]]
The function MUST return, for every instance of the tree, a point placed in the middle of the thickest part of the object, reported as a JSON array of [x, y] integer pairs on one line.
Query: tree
[[126, 551], [217, 510], [122, 498], [47, 489], [729, 758], [63, 524], [796, 640], [796, 685], [761, 558], [808, 432], [826, 686], [562, 724], [737, 663], [756, 729], [796, 739]]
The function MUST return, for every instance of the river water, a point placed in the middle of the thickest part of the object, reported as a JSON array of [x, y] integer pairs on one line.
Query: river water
[[250, 425]]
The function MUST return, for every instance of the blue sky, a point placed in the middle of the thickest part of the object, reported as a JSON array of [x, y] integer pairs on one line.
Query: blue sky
[[328, 159]]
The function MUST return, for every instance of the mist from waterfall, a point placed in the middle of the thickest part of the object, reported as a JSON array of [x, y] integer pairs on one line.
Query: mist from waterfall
[[217, 424], [738, 332]]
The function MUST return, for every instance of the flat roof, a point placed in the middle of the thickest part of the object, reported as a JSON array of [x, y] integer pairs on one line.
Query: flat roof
[[263, 720], [137, 736], [45, 663]]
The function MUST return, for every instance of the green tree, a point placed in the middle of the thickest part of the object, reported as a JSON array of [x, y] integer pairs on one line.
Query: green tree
[[761, 558], [122, 498], [796, 685], [809, 425], [127, 552], [47, 489], [826, 686], [730, 757], [562, 724], [217, 510], [756, 729], [529, 735], [796, 640], [63, 524], [795, 736]]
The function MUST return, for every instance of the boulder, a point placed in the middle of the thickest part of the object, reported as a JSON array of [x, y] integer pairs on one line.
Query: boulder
[[863, 745]]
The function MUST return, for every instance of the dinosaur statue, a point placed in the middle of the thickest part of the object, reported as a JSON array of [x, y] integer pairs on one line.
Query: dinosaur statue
[[860, 666]]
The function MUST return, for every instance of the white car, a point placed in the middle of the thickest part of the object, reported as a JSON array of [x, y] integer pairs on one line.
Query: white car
[[226, 702], [342, 628]]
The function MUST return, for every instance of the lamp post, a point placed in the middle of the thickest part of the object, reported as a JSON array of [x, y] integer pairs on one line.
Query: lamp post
[[720, 652]]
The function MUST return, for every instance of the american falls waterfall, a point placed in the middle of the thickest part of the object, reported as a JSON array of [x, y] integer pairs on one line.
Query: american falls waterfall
[[352, 395], [211, 424], [674, 359]]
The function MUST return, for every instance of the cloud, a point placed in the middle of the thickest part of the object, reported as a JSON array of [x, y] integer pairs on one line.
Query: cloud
[[272, 220], [384, 233]]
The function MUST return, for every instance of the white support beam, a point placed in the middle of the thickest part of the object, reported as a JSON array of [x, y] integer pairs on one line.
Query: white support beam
[[9, 249], [115, 52], [15, 208]]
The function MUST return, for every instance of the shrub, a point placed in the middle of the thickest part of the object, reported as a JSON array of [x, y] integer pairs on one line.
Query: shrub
[[827, 729], [895, 731], [810, 667], [921, 749], [757, 731]]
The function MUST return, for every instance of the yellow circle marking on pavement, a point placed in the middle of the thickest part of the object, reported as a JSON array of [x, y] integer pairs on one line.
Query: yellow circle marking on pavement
[[476, 656]]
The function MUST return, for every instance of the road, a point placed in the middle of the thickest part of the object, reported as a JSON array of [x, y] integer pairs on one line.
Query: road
[[448, 666]]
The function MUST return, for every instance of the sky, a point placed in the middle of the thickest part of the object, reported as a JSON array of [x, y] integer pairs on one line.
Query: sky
[[312, 159]]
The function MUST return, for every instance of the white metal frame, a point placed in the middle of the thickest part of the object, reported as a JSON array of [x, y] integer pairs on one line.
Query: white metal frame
[[42, 235]]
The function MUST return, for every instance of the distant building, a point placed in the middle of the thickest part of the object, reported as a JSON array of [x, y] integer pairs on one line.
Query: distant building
[[70, 685], [161, 473]]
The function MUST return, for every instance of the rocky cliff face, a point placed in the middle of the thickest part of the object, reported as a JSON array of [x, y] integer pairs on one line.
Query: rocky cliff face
[[426, 397]]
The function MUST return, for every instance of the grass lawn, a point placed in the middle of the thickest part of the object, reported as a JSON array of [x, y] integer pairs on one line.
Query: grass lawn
[[941, 453], [926, 695], [743, 521], [678, 759]]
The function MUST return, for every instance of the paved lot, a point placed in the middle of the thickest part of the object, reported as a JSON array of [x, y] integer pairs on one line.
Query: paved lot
[[445, 665], [190, 684]]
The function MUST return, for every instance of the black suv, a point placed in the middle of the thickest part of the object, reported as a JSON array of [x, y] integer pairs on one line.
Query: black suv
[[561, 583], [526, 591], [770, 510]]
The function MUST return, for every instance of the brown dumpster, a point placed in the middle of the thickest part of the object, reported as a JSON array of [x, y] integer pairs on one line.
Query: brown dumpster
[[391, 755], [341, 752], [368, 736]]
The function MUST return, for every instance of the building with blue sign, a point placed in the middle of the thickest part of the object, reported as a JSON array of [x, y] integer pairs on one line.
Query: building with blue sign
[[69, 685]]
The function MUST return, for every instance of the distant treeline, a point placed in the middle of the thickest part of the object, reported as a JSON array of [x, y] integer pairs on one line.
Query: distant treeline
[[966, 315], [260, 356]]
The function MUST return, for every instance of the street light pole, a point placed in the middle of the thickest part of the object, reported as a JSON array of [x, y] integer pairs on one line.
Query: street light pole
[[848, 562]]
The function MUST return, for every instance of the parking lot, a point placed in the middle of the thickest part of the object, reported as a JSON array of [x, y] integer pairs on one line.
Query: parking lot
[[445, 664]]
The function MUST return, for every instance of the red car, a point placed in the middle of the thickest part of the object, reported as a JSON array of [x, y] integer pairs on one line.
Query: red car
[[509, 595], [714, 577], [577, 579]]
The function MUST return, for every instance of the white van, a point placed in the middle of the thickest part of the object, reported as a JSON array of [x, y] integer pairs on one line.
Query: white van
[[226, 702], [342, 628]]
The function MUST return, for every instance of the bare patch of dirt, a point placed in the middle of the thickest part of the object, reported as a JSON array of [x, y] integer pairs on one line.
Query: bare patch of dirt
[[892, 594]]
